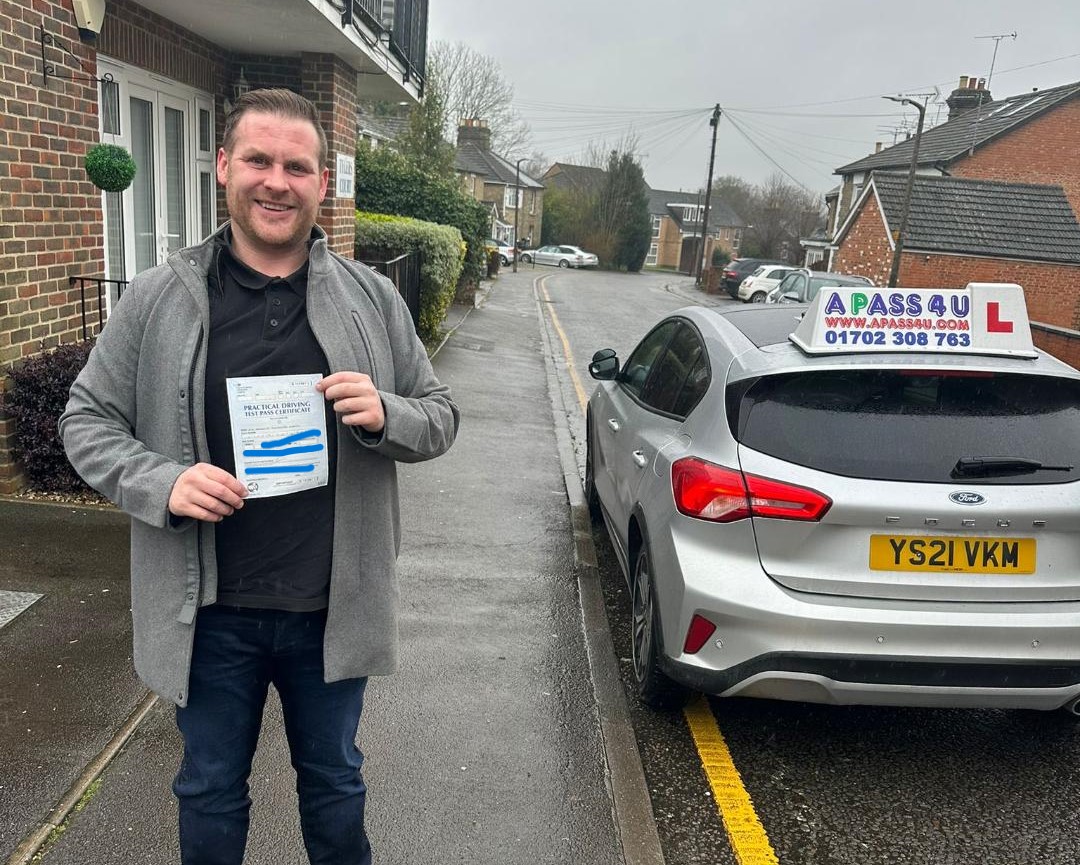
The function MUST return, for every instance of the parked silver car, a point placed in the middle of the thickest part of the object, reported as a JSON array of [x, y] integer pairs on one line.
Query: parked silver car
[[872, 499], [560, 256]]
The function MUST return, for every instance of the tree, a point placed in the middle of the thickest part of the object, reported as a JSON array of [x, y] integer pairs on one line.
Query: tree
[[624, 206], [777, 213], [423, 144], [473, 86]]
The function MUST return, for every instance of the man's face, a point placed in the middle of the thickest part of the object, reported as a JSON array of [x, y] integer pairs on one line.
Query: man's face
[[273, 181]]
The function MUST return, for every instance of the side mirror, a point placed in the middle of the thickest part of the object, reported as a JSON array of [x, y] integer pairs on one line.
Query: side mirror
[[605, 365]]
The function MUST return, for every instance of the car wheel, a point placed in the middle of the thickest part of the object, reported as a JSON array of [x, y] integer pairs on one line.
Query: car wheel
[[563, 262], [526, 259], [591, 498], [505, 261], [757, 297], [654, 688]]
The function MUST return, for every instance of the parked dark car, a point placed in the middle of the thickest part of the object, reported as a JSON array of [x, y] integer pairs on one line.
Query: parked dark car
[[736, 270]]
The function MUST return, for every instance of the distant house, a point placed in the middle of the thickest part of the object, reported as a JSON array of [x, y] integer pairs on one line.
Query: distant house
[[676, 229], [676, 218], [963, 230], [1029, 138], [379, 131], [515, 199]]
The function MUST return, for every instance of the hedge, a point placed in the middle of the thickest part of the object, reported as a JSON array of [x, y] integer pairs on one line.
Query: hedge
[[35, 399], [386, 183], [441, 257]]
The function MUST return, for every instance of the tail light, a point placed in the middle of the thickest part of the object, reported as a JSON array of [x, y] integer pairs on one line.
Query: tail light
[[730, 274], [707, 491]]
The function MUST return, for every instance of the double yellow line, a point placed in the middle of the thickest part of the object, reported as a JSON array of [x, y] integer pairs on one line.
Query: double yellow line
[[748, 838]]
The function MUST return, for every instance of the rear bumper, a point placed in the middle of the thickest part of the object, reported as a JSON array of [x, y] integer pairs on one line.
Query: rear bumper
[[774, 642]]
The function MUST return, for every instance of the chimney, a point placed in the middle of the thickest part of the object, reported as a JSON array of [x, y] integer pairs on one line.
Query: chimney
[[877, 146], [970, 94], [474, 130]]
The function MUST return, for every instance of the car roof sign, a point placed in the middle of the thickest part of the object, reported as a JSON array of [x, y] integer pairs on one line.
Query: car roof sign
[[982, 318]]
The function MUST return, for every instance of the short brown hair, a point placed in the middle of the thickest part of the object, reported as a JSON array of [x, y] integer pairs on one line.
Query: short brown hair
[[279, 101]]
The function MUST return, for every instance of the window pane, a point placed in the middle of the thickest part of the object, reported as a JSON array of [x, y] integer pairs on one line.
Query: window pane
[[640, 364], [142, 151], [667, 380], [928, 422], [114, 241], [206, 203], [176, 206], [206, 137], [110, 108]]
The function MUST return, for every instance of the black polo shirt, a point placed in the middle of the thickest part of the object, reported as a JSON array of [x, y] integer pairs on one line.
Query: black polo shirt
[[273, 553]]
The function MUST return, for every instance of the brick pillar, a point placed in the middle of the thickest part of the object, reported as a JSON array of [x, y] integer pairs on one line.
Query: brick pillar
[[330, 83]]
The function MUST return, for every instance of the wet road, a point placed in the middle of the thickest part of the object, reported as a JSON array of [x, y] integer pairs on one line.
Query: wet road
[[829, 784]]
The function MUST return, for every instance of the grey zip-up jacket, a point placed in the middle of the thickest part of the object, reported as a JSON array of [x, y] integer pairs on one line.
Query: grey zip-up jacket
[[135, 421]]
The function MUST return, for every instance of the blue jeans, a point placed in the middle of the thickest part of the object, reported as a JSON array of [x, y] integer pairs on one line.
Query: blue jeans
[[237, 654]]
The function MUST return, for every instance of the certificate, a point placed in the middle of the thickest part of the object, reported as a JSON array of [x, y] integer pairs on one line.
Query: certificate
[[278, 427]]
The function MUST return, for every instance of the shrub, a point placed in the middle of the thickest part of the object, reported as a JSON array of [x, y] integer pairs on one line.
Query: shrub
[[387, 183], [35, 398], [720, 256], [441, 257], [109, 167]]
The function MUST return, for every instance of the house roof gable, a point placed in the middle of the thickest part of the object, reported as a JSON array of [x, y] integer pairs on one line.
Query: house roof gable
[[473, 159], [951, 140]]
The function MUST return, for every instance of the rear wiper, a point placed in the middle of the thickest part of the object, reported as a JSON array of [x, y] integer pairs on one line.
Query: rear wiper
[[969, 467]]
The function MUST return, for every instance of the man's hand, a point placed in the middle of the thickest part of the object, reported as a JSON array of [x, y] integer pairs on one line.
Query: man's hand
[[355, 399], [206, 492]]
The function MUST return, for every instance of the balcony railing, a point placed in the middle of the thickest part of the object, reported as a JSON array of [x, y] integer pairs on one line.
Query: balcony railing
[[406, 33], [96, 296]]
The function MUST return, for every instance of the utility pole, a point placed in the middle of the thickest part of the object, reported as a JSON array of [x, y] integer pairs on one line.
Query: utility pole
[[517, 207], [901, 235], [714, 121]]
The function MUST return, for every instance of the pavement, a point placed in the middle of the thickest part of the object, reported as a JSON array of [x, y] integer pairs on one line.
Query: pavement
[[503, 739]]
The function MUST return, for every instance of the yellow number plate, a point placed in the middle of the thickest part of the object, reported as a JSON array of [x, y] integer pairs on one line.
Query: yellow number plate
[[952, 554]]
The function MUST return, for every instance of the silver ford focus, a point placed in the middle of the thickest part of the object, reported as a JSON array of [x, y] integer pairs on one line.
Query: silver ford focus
[[872, 499]]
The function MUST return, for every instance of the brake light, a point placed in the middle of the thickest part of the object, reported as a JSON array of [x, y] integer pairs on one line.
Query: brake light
[[699, 631], [707, 491], [730, 273]]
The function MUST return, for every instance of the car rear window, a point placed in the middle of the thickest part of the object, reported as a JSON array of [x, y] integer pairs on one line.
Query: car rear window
[[911, 425]]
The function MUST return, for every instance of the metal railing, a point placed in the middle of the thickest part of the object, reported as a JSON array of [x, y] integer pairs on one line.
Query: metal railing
[[405, 34], [404, 272], [98, 305]]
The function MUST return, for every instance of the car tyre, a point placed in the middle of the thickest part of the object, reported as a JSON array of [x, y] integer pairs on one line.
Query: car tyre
[[504, 260], [757, 297], [526, 259], [591, 498], [655, 689], [563, 262]]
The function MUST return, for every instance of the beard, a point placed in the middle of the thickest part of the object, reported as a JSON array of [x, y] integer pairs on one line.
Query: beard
[[269, 230]]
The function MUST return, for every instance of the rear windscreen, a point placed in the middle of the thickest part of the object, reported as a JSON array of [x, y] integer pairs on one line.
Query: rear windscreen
[[911, 425]]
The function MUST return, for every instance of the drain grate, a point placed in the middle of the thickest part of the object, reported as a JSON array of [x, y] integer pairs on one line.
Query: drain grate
[[13, 603]]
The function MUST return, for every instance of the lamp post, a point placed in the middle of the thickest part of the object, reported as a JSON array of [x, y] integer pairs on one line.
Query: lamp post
[[517, 206], [714, 121], [901, 235]]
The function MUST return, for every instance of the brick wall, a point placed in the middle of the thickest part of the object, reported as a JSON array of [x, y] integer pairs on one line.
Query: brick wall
[[330, 83], [669, 244], [51, 213], [865, 250], [1062, 343], [1043, 150]]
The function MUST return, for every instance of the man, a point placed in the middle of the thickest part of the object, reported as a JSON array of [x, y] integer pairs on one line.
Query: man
[[231, 591]]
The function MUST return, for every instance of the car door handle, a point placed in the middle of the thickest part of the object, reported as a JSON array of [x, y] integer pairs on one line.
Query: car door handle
[[614, 424], [640, 458]]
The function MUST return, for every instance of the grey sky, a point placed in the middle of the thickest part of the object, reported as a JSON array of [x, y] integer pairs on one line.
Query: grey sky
[[587, 70]]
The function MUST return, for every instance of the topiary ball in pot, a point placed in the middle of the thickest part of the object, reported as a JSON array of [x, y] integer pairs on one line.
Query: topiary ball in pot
[[109, 167]]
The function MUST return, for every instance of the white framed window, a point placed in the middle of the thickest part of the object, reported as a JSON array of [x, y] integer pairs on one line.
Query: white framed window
[[656, 227], [510, 198], [168, 128]]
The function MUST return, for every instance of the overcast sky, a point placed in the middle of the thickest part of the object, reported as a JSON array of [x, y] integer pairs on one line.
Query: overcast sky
[[594, 70]]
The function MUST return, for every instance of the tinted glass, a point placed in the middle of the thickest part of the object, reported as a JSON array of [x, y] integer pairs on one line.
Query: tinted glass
[[693, 389], [666, 383], [641, 362], [911, 426]]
